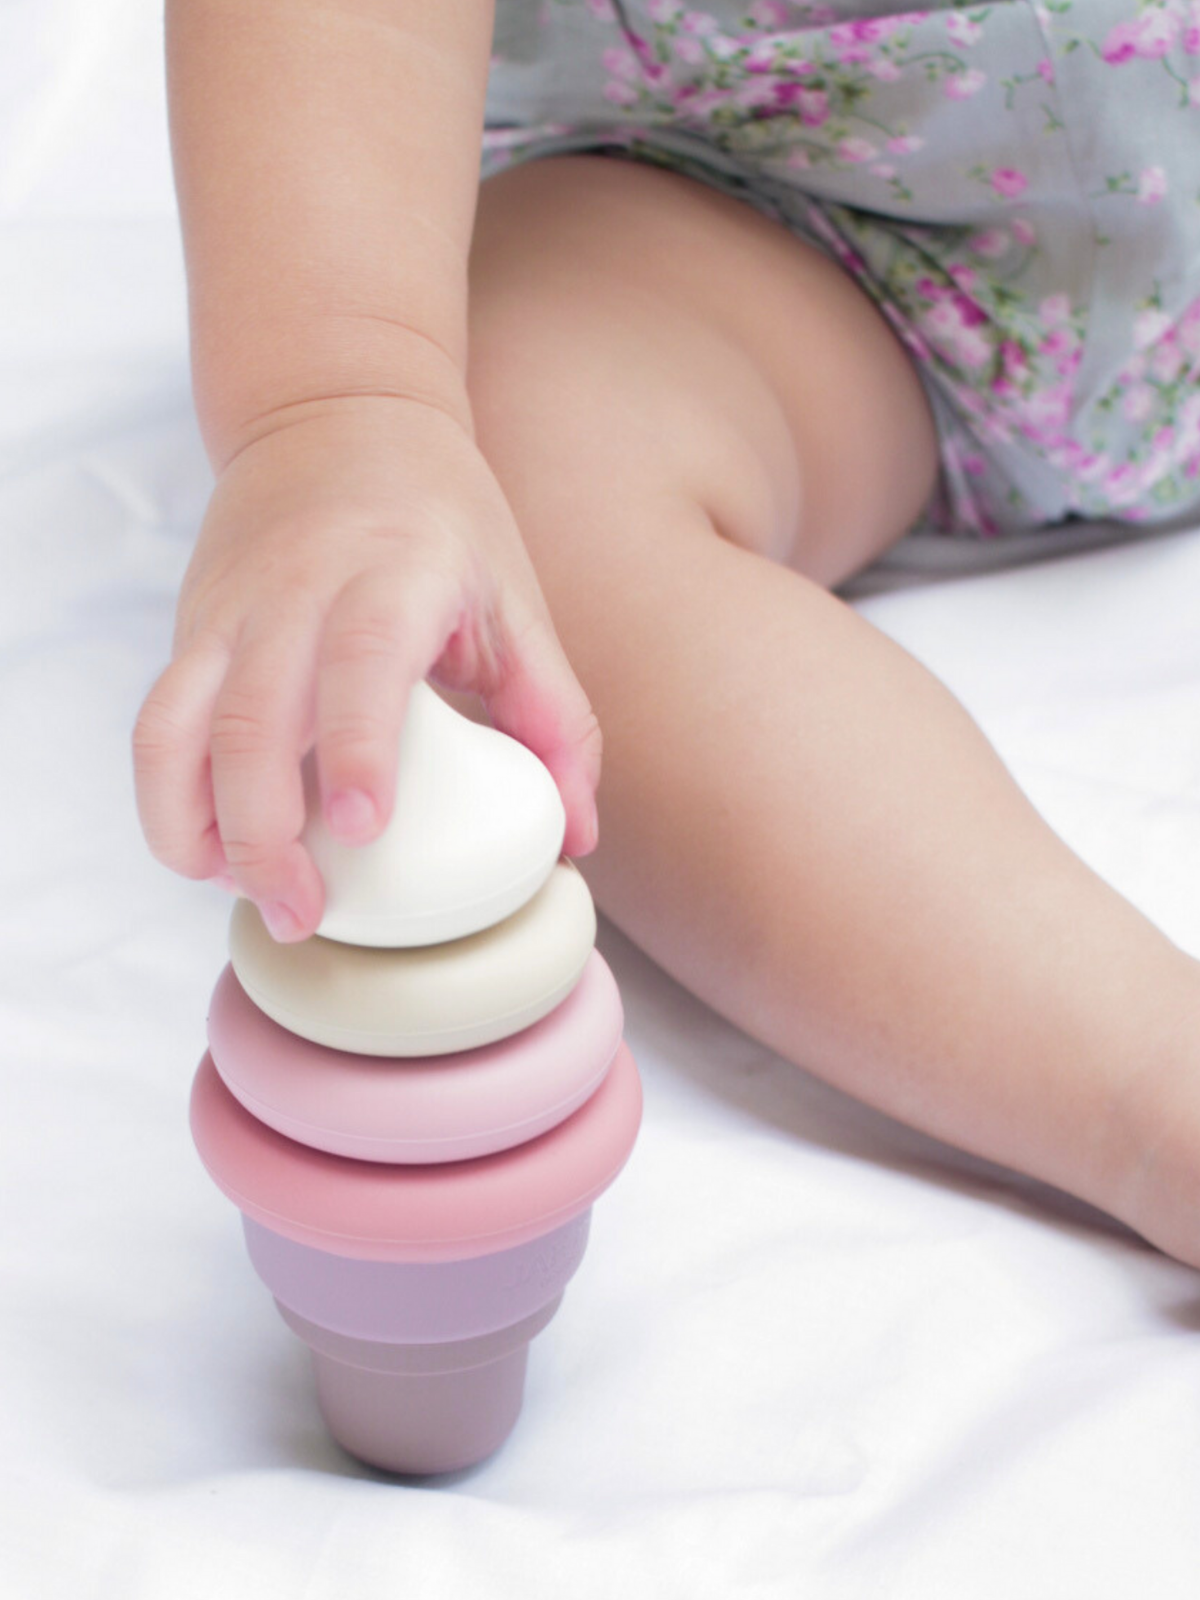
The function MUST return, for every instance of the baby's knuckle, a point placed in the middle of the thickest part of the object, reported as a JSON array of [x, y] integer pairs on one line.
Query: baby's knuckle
[[351, 732], [370, 633], [156, 732], [251, 859], [238, 731]]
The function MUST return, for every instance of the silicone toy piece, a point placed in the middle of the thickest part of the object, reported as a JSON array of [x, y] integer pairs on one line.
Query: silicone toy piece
[[477, 826], [416, 1108], [418, 1289], [425, 1001], [423, 1109], [372, 1211]]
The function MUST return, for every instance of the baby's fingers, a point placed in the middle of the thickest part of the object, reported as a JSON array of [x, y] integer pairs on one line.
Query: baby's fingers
[[170, 761], [259, 724], [383, 633]]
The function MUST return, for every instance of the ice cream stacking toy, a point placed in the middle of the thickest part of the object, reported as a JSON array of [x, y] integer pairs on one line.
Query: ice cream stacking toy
[[415, 1108]]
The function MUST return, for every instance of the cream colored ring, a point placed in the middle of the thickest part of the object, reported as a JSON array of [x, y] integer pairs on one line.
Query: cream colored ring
[[429, 999]]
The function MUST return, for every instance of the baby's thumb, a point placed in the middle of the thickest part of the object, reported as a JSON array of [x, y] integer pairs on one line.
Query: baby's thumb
[[541, 702]]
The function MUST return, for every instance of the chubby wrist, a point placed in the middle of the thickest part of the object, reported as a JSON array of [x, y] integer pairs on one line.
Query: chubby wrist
[[341, 363]]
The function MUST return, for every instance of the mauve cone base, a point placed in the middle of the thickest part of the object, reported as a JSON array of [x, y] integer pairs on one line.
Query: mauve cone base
[[421, 1408]]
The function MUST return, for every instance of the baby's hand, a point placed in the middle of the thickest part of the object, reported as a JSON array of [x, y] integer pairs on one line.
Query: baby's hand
[[363, 545]]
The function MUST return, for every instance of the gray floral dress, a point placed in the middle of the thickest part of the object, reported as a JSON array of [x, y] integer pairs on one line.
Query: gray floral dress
[[1016, 184]]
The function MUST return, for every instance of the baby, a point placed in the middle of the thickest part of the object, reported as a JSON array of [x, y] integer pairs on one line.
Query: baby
[[748, 291]]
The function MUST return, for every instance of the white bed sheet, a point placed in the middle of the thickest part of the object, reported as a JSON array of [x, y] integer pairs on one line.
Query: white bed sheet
[[809, 1352]]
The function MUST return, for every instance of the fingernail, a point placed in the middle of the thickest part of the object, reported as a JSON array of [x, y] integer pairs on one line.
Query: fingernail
[[351, 813], [281, 920]]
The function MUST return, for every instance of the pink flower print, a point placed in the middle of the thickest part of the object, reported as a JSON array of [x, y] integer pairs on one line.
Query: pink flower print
[[620, 94], [699, 105], [814, 107], [1152, 185], [946, 326], [931, 289], [1069, 453], [902, 144], [962, 30], [768, 13], [1048, 409], [621, 62], [991, 243], [1069, 361], [1122, 484], [1062, 349], [1054, 308], [962, 85], [884, 68], [1189, 332], [856, 150], [663, 10], [1023, 230], [1189, 423], [1138, 402], [1156, 31], [602, 10], [964, 277], [853, 54], [852, 41], [764, 56], [1149, 327], [1046, 69], [721, 46], [1119, 46], [1012, 360], [1167, 362], [1092, 466], [883, 169], [1149, 35], [755, 92], [689, 50], [1008, 182], [700, 22], [907, 333], [1056, 342], [845, 34]]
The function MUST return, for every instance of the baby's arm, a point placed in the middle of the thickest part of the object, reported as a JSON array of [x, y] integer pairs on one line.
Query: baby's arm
[[327, 158], [326, 163]]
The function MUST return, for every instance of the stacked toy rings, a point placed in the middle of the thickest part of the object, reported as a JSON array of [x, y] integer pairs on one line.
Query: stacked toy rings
[[415, 1108]]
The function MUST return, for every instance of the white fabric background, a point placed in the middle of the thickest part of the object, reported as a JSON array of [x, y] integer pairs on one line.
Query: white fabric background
[[808, 1352]]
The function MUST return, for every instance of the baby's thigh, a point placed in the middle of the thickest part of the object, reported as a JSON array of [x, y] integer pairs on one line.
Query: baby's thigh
[[637, 333]]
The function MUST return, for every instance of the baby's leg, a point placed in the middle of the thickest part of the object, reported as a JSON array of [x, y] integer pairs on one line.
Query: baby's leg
[[699, 424]]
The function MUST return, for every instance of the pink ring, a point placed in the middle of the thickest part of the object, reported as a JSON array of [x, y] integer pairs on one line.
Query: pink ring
[[451, 1107], [379, 1212]]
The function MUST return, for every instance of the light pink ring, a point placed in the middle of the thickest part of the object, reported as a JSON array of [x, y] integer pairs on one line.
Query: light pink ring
[[410, 1108], [380, 1212]]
